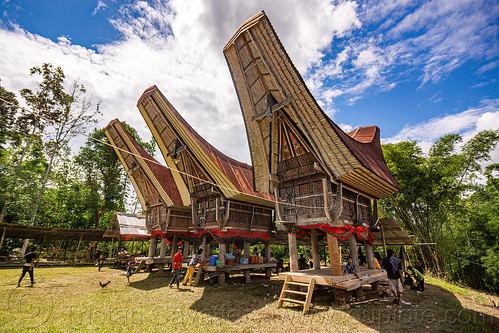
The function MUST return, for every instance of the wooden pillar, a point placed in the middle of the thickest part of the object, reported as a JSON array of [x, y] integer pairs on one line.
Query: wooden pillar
[[174, 244], [316, 258], [111, 248], [133, 244], [152, 246], [162, 254], [369, 255], [162, 249], [247, 275], [222, 249], [384, 242], [205, 250], [334, 255], [354, 253], [247, 250], [185, 254], [293, 252], [78, 248], [268, 255]]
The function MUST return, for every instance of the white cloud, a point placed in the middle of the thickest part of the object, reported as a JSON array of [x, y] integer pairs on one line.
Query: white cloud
[[100, 6], [467, 123], [178, 47]]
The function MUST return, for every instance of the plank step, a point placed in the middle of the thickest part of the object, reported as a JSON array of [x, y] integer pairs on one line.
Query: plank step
[[295, 292], [298, 283], [291, 300]]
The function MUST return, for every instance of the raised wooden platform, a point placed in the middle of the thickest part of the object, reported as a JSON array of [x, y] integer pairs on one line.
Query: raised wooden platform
[[239, 267], [324, 277], [341, 284]]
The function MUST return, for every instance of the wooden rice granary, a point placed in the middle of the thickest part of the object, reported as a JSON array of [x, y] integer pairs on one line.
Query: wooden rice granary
[[166, 207], [324, 178], [222, 198]]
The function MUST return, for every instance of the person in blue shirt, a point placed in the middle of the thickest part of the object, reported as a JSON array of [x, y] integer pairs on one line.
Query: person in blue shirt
[[393, 267], [350, 266]]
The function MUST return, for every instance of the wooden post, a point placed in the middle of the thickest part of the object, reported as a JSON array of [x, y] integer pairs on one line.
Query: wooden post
[[78, 248], [334, 255], [369, 255], [162, 249], [316, 258], [111, 248], [293, 252], [222, 249], [247, 249], [354, 253], [133, 244], [384, 242], [203, 246], [185, 254], [268, 255], [174, 244], [152, 246]]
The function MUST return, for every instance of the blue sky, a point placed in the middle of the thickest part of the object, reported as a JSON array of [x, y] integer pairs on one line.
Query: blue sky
[[416, 69]]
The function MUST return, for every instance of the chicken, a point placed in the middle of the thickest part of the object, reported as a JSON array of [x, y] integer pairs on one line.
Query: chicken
[[104, 285]]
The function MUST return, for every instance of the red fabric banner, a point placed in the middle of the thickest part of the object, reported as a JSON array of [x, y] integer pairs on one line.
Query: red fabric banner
[[223, 237], [342, 233]]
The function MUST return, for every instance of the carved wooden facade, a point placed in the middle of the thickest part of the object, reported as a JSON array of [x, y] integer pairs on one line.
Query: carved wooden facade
[[219, 187], [153, 183], [320, 173]]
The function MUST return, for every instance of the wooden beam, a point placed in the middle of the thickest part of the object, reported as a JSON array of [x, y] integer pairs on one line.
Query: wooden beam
[[247, 249], [162, 250], [174, 244], [315, 249], [334, 255], [3, 237], [293, 252], [268, 255], [152, 247], [354, 253], [77, 249], [185, 254], [203, 246], [369, 255], [384, 242]]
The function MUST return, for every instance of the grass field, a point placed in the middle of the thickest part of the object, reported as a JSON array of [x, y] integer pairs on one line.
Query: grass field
[[69, 299]]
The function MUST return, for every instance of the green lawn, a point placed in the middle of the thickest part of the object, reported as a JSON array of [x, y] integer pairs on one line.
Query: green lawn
[[69, 299]]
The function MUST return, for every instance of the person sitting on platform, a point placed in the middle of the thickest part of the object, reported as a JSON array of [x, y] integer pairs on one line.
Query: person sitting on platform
[[350, 266], [302, 262], [393, 268], [377, 259], [419, 285], [196, 258], [130, 268], [236, 252]]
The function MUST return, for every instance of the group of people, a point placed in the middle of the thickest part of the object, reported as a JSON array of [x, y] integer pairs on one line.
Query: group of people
[[396, 279]]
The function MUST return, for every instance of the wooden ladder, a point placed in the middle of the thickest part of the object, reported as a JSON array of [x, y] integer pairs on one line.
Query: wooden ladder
[[141, 264], [286, 289]]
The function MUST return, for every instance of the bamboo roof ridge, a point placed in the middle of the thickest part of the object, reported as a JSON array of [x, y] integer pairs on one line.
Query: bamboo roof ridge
[[153, 182], [234, 179], [266, 81]]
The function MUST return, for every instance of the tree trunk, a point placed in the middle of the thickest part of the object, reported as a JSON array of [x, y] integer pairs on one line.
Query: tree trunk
[[37, 203]]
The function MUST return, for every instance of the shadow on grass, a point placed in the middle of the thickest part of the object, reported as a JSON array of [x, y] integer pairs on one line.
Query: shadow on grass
[[152, 281], [235, 300], [437, 309]]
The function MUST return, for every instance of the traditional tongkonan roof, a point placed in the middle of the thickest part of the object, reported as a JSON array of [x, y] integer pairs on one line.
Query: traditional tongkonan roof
[[153, 182], [174, 134], [266, 81]]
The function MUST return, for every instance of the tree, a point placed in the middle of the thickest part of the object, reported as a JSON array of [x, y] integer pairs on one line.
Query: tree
[[434, 186], [104, 175], [61, 114]]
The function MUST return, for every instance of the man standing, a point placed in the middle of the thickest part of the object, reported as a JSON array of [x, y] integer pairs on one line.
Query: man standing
[[393, 268], [177, 267], [28, 266], [196, 258]]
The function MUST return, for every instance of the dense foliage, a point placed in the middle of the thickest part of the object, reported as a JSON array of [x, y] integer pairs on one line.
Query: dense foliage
[[42, 181], [444, 203]]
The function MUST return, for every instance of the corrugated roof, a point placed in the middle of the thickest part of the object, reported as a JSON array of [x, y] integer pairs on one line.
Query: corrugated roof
[[222, 169], [161, 173], [131, 225], [260, 66]]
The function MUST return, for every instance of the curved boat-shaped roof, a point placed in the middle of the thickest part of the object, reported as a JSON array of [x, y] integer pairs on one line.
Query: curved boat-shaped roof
[[167, 125], [262, 71], [151, 180]]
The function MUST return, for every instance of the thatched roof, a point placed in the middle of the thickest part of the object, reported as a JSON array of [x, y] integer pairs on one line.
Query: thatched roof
[[171, 130], [261, 69], [128, 227], [153, 182]]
